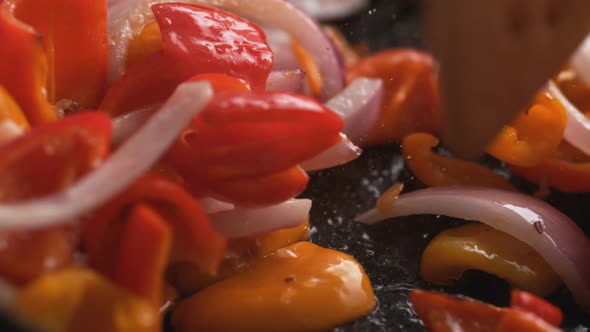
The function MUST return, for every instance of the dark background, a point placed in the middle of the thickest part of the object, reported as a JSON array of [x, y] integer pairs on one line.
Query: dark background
[[390, 252]]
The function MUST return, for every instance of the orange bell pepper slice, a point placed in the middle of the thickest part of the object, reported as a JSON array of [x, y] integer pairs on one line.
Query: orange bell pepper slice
[[143, 257], [411, 98], [194, 239], [43, 161], [533, 135], [75, 37], [148, 42], [435, 170], [9, 110], [76, 299], [568, 170], [444, 313], [24, 68]]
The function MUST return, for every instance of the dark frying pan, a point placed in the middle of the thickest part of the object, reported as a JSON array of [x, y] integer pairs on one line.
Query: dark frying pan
[[390, 252]]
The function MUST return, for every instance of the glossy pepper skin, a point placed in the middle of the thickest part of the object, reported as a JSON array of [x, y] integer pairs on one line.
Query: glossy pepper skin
[[283, 292], [75, 39], [534, 135], [75, 299], [477, 246], [195, 40], [65, 150], [194, 239], [236, 148], [435, 170], [24, 68], [411, 101], [444, 313]]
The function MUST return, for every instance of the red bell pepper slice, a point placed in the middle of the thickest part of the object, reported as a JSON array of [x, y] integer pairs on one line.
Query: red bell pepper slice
[[527, 302], [43, 161], [145, 248], [411, 101], [75, 37], [255, 139], [23, 68], [195, 40], [444, 313], [194, 239]]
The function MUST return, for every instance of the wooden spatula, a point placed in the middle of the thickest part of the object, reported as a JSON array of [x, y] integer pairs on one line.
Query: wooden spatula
[[494, 56]]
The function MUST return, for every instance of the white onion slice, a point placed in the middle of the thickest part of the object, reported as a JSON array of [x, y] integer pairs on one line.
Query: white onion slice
[[286, 80], [278, 14], [359, 105], [124, 126], [580, 61], [242, 222], [560, 242], [339, 154], [211, 205], [282, 50], [123, 167], [330, 9], [577, 130]]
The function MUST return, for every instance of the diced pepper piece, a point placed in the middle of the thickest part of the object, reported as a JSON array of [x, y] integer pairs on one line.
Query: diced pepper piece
[[282, 292], [411, 100], [534, 135], [73, 300], [24, 69], [435, 170], [145, 249], [476, 246]]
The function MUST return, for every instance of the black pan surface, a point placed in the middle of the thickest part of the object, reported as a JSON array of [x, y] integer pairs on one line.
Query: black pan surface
[[390, 252]]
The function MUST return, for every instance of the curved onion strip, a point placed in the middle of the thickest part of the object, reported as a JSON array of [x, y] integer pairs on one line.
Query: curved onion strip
[[581, 61], [358, 105], [274, 13], [330, 9], [339, 154], [125, 125], [244, 222], [282, 50], [286, 80], [577, 130], [123, 167], [211, 205], [553, 235]]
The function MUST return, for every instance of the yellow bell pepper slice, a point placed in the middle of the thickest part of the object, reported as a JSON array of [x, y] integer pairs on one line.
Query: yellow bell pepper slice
[[75, 299], [480, 247]]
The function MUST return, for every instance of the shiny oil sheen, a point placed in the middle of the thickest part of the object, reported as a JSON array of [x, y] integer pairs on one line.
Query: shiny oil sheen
[[302, 287], [477, 246]]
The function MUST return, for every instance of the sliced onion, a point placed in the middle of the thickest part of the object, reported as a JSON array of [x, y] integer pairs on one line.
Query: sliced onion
[[339, 154], [283, 55], [359, 105], [560, 242], [286, 80], [245, 222], [577, 130], [278, 14], [123, 167], [581, 61], [126, 125], [211, 205], [330, 9]]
